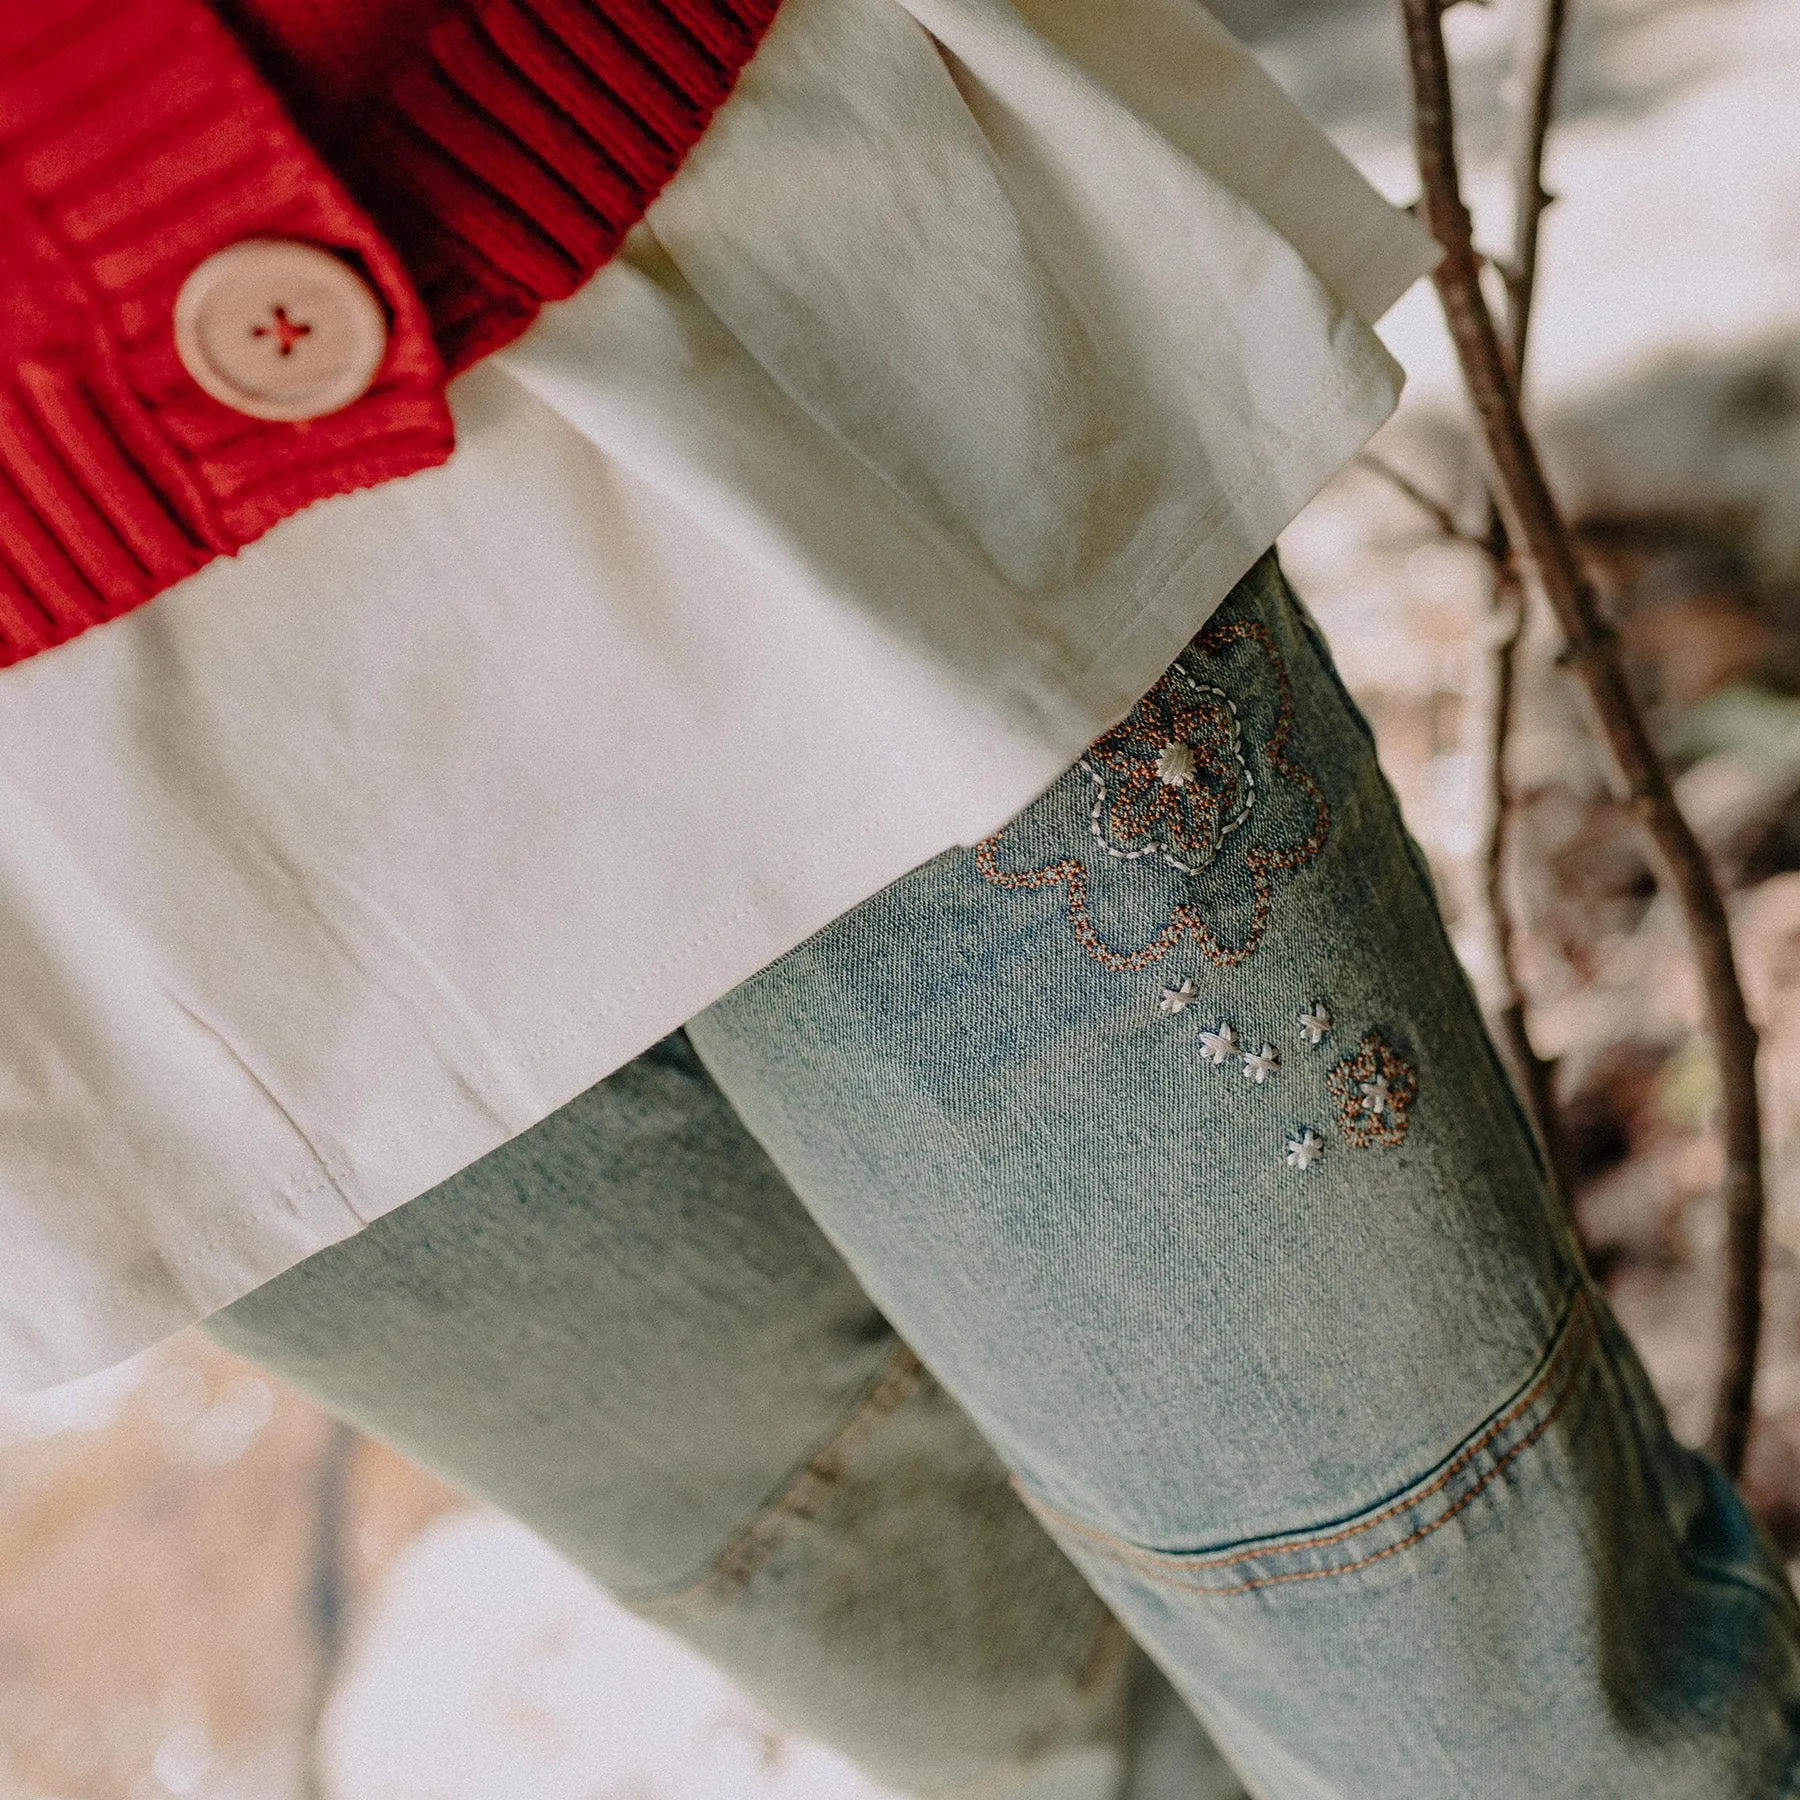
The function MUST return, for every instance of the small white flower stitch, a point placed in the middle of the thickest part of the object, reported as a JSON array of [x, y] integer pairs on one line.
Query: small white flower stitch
[[1315, 1022], [1175, 764], [1178, 999], [1377, 1101], [1219, 1045], [1259, 1065], [1304, 1148]]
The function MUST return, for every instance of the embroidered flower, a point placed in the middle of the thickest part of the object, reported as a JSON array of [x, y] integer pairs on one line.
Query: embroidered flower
[[1180, 997], [1304, 1148], [1171, 781], [1259, 1065], [1195, 780], [1374, 1089], [1315, 1023], [1219, 1045]]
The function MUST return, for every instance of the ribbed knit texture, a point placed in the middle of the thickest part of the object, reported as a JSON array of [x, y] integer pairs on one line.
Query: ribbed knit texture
[[517, 143], [511, 161]]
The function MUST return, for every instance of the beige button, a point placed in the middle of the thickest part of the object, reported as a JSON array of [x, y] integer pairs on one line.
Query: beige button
[[279, 330]]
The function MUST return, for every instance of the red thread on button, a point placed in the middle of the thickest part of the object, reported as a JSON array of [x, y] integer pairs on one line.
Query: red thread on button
[[286, 329]]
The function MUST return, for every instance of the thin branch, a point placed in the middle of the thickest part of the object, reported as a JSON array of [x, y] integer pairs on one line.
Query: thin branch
[[1536, 1074], [1537, 527], [1540, 56], [1434, 509]]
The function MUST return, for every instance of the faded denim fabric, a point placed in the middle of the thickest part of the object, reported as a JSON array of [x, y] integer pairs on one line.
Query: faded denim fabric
[[624, 1329], [1165, 1129]]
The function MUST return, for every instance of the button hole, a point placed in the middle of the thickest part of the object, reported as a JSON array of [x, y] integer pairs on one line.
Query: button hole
[[289, 331]]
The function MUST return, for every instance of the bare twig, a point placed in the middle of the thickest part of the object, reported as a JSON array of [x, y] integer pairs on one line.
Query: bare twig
[[1540, 55], [1537, 527], [1434, 509], [1536, 1074]]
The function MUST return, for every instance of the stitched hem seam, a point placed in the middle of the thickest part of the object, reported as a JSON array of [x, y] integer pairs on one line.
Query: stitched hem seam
[[1386, 1530], [1095, 1687], [800, 1502]]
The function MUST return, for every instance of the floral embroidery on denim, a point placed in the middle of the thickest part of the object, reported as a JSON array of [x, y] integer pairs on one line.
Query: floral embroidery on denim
[[1173, 783], [1374, 1088], [1180, 997]]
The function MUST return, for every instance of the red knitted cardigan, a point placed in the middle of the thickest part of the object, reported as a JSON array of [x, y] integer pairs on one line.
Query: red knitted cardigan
[[471, 158]]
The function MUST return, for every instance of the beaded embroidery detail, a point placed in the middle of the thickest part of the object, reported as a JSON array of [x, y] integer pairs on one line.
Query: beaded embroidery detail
[[1374, 1088], [1173, 782]]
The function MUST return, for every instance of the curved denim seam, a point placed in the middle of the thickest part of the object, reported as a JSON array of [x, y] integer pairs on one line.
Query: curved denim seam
[[1568, 1356], [800, 1498], [1279, 1543], [1102, 1658], [804, 1496]]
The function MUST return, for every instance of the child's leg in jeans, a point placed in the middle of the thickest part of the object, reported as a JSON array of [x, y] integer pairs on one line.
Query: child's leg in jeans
[[624, 1329], [1166, 1129]]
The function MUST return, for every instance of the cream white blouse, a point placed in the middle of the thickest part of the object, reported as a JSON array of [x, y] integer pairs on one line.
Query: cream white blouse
[[973, 355]]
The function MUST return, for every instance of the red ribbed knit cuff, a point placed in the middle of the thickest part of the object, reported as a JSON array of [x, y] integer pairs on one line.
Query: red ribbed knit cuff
[[514, 155], [135, 141]]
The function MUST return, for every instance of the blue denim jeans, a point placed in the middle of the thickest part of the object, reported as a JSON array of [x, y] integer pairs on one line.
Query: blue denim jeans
[[1164, 1128]]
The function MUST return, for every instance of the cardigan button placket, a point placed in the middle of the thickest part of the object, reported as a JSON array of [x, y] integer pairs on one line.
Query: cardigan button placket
[[279, 330]]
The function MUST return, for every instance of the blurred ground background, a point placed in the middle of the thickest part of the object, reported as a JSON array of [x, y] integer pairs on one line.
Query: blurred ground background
[[208, 1590]]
